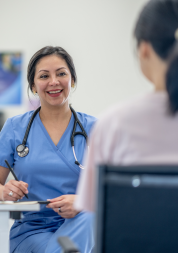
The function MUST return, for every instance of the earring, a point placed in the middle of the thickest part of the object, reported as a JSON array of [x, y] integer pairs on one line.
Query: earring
[[73, 85], [34, 92]]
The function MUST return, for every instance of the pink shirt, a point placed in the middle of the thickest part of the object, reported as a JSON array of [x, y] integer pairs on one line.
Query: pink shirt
[[142, 131]]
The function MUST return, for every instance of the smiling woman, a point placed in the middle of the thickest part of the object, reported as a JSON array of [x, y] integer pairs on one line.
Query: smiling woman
[[50, 170]]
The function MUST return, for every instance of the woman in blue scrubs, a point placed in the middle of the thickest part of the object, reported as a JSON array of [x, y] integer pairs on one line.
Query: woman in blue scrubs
[[49, 170]]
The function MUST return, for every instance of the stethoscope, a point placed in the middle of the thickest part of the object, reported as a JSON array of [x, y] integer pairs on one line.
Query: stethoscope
[[23, 150]]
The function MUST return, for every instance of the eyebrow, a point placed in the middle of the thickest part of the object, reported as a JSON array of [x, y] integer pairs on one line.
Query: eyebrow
[[48, 70]]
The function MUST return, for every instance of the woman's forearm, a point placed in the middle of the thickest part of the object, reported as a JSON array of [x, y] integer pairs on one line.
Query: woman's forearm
[[4, 172], [1, 192]]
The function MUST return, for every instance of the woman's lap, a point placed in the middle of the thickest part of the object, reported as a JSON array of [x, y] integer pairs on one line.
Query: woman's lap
[[35, 243], [79, 229]]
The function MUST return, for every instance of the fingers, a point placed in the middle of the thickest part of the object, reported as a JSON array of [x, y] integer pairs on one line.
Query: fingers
[[65, 203], [64, 209], [17, 193], [57, 199], [18, 189], [56, 207], [56, 204], [64, 200], [58, 210], [25, 184], [67, 214], [21, 185], [10, 198]]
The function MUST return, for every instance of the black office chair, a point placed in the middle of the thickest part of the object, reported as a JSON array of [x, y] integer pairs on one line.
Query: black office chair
[[137, 209]]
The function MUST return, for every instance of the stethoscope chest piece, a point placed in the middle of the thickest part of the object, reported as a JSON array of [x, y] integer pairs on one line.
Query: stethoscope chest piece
[[22, 150]]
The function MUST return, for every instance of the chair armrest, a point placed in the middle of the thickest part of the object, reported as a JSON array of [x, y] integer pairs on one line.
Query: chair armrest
[[67, 245]]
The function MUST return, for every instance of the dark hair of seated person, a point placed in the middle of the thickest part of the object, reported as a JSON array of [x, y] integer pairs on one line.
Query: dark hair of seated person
[[158, 25]]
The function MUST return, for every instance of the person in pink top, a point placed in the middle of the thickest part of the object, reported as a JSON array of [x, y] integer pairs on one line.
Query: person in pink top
[[144, 130]]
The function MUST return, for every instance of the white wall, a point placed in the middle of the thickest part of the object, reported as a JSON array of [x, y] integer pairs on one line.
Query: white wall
[[97, 34]]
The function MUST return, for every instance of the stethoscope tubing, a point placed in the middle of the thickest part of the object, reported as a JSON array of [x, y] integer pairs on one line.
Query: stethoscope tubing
[[29, 126], [76, 160], [22, 150]]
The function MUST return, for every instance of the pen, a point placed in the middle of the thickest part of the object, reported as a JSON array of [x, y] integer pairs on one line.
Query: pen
[[11, 170]]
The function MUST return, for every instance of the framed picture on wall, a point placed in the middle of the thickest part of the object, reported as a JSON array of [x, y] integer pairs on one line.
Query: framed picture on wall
[[10, 78]]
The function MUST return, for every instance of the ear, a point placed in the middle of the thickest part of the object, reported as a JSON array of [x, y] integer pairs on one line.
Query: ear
[[34, 89], [144, 50]]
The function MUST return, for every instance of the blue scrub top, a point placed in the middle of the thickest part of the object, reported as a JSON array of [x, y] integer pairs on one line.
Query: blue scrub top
[[49, 170]]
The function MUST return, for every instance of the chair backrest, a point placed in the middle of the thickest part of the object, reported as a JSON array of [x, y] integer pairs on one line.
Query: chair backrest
[[137, 209]]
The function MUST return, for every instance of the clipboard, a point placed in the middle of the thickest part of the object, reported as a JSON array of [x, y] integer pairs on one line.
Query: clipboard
[[41, 202]]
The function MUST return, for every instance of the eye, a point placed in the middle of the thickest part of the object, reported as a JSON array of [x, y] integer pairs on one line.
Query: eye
[[43, 76], [62, 74]]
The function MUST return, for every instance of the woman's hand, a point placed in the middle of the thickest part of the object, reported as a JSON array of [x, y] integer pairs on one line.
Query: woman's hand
[[17, 189], [65, 203]]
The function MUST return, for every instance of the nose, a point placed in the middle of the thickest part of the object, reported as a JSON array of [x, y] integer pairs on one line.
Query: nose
[[54, 81]]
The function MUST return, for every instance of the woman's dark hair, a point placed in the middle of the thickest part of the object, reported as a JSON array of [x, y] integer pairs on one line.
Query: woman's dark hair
[[158, 25], [45, 51]]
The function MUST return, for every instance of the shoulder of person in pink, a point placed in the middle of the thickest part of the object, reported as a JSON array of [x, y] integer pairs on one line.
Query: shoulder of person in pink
[[138, 132]]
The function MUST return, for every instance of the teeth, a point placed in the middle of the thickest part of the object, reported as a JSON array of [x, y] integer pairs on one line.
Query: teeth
[[53, 92]]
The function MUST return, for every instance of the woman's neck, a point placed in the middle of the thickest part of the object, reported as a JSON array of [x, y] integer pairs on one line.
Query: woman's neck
[[160, 84], [55, 114], [159, 70]]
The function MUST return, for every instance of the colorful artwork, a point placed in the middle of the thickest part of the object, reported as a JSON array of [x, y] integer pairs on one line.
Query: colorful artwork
[[10, 78]]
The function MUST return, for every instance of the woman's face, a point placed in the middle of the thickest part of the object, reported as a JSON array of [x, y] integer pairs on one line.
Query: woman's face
[[52, 81]]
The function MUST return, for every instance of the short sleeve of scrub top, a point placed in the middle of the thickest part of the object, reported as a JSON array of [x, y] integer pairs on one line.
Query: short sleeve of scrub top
[[7, 144]]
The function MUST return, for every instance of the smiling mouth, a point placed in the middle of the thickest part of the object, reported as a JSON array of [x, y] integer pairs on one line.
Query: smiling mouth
[[54, 92]]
